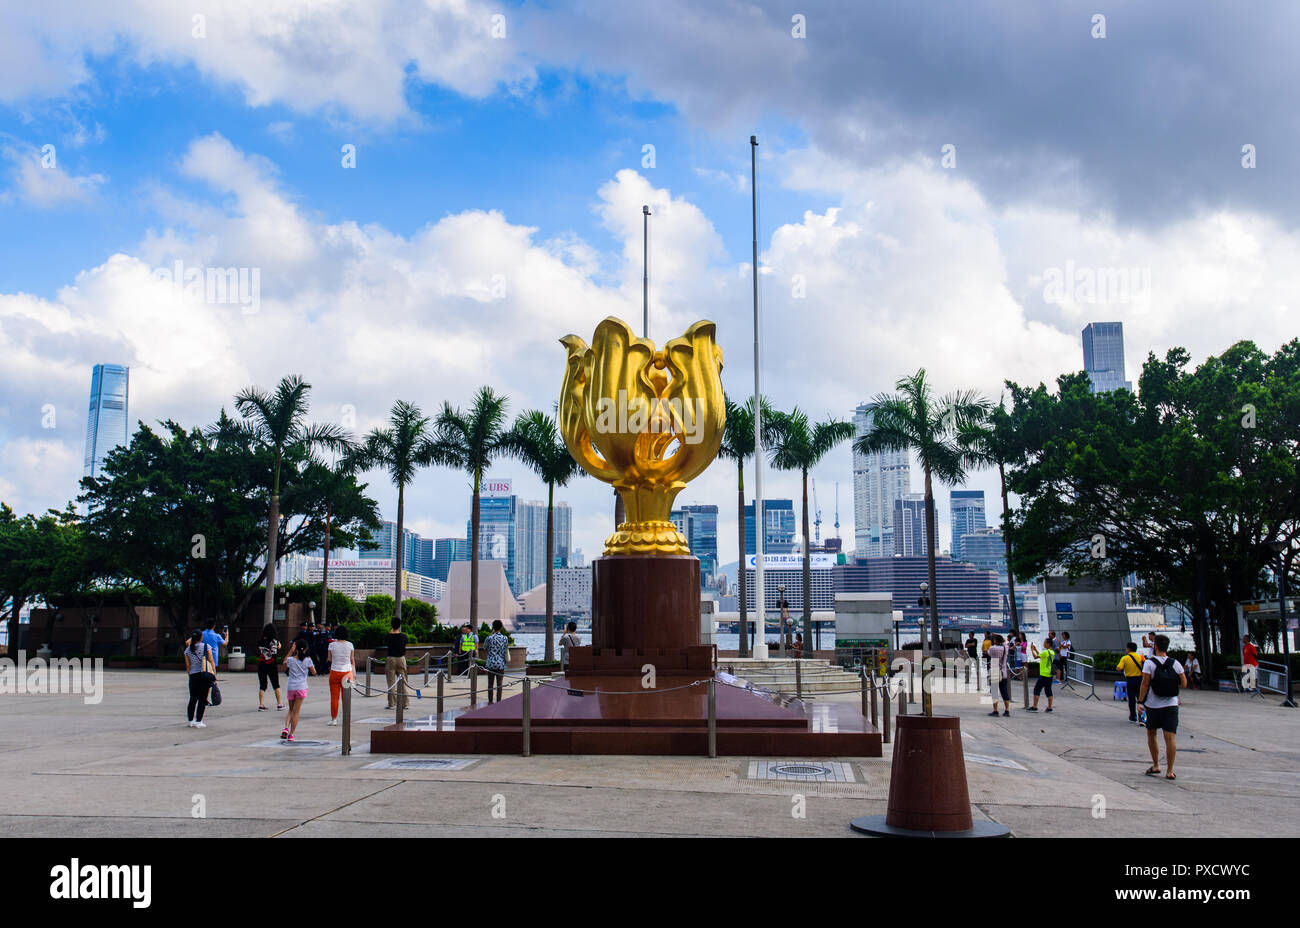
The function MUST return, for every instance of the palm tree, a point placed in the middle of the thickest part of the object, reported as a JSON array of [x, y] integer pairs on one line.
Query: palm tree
[[278, 422], [737, 445], [991, 443], [537, 443], [405, 445], [469, 442], [914, 419], [800, 446], [334, 478]]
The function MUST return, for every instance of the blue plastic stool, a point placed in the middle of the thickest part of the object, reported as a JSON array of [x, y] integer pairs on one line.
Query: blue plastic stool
[[1121, 690]]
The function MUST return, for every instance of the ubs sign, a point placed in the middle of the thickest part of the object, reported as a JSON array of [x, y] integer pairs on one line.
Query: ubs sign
[[493, 486]]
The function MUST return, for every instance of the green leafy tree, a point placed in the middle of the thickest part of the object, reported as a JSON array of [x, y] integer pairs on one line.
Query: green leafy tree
[[400, 449], [536, 441], [914, 419], [278, 421], [469, 441], [738, 445], [1185, 483], [800, 446]]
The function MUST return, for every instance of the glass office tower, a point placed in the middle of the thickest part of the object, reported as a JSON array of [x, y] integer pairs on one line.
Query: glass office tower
[[106, 424], [1103, 356]]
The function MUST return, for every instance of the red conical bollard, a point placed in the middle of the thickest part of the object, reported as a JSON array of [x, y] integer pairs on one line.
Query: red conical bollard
[[928, 796]]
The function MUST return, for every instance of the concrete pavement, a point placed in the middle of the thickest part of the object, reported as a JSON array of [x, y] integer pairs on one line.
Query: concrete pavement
[[130, 766]]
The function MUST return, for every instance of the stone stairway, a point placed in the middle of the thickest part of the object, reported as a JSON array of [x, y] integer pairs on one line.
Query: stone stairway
[[775, 673]]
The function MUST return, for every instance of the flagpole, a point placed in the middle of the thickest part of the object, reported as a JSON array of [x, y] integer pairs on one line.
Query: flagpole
[[645, 271], [760, 521]]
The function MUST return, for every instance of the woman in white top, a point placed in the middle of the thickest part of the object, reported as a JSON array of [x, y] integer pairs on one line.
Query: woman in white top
[[343, 668], [999, 683]]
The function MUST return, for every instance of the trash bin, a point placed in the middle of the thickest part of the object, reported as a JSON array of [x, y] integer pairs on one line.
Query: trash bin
[[236, 659]]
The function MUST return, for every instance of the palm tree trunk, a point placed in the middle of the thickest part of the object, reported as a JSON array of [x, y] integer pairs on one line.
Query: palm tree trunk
[[397, 583], [930, 545], [473, 559], [272, 539], [740, 570], [807, 574], [550, 571], [325, 565], [1006, 541]]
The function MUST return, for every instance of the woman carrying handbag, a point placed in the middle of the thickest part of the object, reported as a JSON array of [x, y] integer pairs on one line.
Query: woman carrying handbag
[[202, 666]]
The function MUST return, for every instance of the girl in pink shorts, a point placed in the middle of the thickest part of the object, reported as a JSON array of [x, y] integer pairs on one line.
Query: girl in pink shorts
[[298, 669]]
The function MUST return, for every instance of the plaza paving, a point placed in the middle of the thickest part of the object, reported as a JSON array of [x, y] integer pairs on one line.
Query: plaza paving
[[129, 766]]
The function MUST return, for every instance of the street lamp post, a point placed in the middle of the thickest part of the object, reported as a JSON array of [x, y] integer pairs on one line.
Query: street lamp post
[[1279, 548], [784, 608]]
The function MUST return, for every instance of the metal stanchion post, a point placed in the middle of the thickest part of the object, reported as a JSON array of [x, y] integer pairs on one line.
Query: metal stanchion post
[[442, 676], [1024, 678], [862, 676], [798, 679], [347, 719], [527, 727], [473, 685], [902, 702], [875, 715], [368, 689], [927, 697], [884, 731], [427, 655], [911, 682], [401, 699], [713, 718]]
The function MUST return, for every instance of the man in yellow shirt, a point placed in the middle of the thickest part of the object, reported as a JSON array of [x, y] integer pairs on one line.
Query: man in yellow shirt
[[1130, 665]]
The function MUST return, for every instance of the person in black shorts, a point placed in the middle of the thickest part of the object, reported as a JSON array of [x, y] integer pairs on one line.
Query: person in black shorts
[[268, 673], [1162, 676]]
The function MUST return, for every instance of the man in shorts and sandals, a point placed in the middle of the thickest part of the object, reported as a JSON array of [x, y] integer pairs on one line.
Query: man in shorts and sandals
[[1046, 658], [1162, 676]]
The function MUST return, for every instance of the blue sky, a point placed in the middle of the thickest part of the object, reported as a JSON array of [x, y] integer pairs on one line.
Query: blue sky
[[518, 158]]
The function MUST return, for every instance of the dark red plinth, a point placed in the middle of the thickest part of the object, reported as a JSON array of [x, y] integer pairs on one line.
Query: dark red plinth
[[645, 614], [927, 780], [645, 602]]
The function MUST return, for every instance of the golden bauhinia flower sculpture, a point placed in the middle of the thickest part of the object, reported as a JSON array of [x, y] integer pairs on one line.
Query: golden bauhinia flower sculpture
[[646, 421]]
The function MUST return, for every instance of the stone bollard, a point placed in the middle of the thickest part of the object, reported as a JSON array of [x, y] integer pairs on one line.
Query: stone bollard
[[347, 719]]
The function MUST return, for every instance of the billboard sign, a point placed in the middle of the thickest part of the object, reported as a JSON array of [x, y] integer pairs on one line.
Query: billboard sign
[[792, 561], [495, 486]]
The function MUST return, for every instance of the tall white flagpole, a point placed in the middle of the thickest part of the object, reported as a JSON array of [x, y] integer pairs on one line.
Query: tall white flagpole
[[760, 517]]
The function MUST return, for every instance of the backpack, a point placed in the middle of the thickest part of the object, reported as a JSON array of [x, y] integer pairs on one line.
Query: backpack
[[1164, 682]]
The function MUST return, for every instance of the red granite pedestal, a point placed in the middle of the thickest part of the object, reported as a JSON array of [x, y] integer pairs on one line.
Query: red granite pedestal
[[645, 626]]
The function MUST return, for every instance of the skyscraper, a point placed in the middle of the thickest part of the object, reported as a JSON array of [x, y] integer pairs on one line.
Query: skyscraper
[[446, 550], [386, 540], [778, 538], [498, 516], [699, 523], [879, 480], [909, 526], [966, 512], [530, 543], [1103, 356], [106, 424]]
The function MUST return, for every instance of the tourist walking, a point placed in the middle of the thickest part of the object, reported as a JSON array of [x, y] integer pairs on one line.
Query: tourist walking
[[1193, 672], [999, 683], [568, 640], [1046, 659], [268, 673], [395, 665], [1249, 664], [202, 665], [343, 669], [215, 639], [1161, 678], [298, 665], [796, 646], [498, 649], [1130, 665]]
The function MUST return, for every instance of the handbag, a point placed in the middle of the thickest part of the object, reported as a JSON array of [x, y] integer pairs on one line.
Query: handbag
[[214, 693]]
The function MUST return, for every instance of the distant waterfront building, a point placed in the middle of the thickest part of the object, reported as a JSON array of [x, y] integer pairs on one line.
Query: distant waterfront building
[[787, 570], [498, 518], [879, 480], [966, 513], [106, 423], [1103, 356], [778, 518], [572, 590], [530, 542], [362, 577], [699, 523], [386, 541], [909, 526], [445, 551], [963, 589]]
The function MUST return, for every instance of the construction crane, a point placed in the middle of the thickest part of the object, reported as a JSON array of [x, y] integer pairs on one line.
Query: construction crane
[[817, 519]]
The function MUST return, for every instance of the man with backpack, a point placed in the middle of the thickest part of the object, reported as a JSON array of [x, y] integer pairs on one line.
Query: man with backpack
[[1162, 676]]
